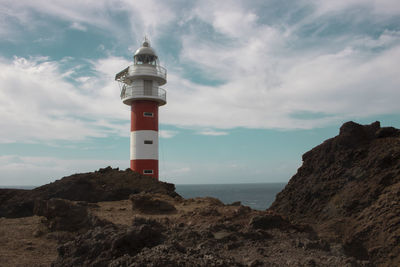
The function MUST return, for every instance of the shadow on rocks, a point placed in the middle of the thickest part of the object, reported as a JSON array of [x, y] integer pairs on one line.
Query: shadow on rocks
[[148, 204], [65, 215], [104, 244]]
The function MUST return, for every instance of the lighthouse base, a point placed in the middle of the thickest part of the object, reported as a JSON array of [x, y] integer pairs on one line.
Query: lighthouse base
[[146, 167]]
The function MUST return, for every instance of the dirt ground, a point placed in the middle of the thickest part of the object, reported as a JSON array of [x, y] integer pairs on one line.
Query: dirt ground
[[20, 244]]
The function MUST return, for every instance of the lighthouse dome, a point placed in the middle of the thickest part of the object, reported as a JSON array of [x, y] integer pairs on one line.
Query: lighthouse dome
[[145, 50], [145, 54]]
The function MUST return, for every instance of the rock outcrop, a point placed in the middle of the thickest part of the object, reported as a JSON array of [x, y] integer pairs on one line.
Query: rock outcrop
[[348, 189], [106, 184], [66, 215]]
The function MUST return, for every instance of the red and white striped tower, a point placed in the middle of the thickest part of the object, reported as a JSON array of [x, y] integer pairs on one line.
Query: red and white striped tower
[[140, 89]]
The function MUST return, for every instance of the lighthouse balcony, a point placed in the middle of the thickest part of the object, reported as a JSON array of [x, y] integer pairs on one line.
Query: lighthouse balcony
[[133, 93], [143, 71]]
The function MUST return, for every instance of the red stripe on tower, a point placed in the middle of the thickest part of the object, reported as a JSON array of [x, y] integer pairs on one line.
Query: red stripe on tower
[[140, 89], [143, 165], [144, 115]]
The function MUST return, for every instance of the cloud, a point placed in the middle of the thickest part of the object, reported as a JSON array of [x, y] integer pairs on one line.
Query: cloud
[[167, 133], [228, 17], [376, 6], [44, 106], [21, 170], [270, 72], [243, 71], [148, 17], [212, 132], [78, 26], [108, 16]]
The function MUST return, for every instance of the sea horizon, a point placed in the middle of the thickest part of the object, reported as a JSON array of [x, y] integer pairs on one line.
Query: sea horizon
[[258, 196]]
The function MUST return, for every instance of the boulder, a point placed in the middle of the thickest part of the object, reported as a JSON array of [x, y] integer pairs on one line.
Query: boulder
[[65, 215]]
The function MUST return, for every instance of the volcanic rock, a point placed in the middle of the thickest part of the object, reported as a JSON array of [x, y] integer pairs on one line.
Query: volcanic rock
[[150, 204], [106, 184], [15, 203], [102, 245], [269, 221], [193, 237], [65, 215], [348, 189]]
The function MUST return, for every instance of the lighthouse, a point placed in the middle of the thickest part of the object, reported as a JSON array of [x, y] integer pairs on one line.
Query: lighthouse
[[139, 84]]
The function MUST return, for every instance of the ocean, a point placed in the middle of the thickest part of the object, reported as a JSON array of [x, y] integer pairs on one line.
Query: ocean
[[257, 196], [26, 187]]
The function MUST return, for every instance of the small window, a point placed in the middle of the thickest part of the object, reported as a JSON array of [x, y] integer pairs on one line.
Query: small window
[[148, 114], [148, 172], [148, 142]]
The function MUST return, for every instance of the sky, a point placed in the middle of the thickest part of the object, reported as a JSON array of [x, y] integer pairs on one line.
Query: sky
[[252, 85]]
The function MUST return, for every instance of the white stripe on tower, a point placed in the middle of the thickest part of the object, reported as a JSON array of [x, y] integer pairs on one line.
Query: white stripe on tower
[[144, 145]]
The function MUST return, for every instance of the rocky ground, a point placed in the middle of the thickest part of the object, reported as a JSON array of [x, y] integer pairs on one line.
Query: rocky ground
[[340, 209], [160, 230], [348, 190]]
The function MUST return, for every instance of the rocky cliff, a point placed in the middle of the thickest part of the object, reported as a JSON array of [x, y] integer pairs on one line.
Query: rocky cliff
[[348, 189]]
